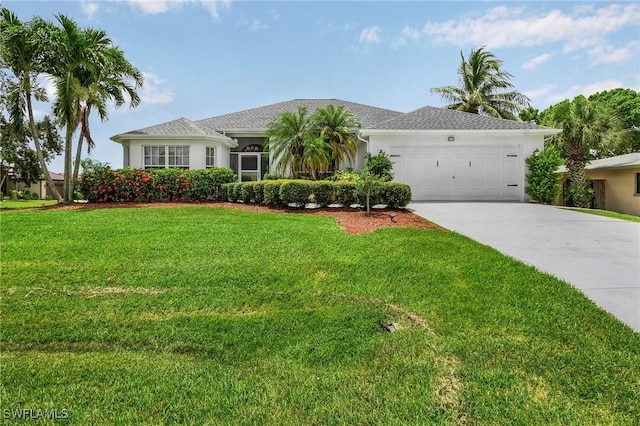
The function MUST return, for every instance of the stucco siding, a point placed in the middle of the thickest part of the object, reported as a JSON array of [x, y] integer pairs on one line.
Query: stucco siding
[[134, 155], [620, 189]]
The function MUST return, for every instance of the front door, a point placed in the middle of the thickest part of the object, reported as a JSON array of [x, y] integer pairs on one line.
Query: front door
[[249, 166]]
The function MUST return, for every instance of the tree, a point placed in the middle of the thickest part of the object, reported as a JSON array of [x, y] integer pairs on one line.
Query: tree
[[316, 157], [482, 88], [287, 137], [336, 127], [530, 115], [543, 180], [22, 49], [626, 103], [379, 165], [586, 127]]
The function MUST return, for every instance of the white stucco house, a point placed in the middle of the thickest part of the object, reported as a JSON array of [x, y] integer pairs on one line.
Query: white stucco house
[[442, 154]]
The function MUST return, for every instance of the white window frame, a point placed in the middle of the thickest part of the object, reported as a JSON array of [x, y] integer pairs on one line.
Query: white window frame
[[210, 157], [165, 156]]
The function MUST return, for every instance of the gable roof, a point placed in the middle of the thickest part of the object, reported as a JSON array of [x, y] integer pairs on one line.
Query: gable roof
[[258, 118], [626, 161], [432, 118], [181, 126]]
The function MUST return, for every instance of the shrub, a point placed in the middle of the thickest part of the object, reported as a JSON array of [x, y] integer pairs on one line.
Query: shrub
[[345, 193], [234, 191], [13, 194], [345, 176], [258, 192], [35, 196], [323, 192], [272, 193], [1, 195], [368, 189], [543, 181], [247, 192], [379, 165], [223, 194], [295, 192], [395, 194], [272, 176]]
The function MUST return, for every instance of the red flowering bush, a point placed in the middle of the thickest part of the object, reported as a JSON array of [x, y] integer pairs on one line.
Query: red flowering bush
[[140, 185]]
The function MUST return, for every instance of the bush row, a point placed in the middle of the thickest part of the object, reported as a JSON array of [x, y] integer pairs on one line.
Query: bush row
[[142, 185], [278, 193]]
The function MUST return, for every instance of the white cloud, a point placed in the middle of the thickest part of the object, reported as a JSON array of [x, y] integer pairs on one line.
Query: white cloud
[[510, 26], [407, 33], [371, 35], [154, 92], [153, 7], [608, 54], [540, 92], [534, 62], [89, 9], [258, 25]]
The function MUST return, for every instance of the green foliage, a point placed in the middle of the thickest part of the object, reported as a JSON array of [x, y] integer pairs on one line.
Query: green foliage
[[323, 192], [626, 103], [14, 194], [223, 193], [379, 165], [367, 187], [396, 195], [102, 184], [482, 87], [530, 115], [248, 192], [543, 180], [234, 191], [345, 176], [295, 192], [272, 176], [345, 193], [272, 193], [258, 192]]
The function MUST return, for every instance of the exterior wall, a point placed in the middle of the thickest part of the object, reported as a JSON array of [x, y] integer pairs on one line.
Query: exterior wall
[[620, 189], [133, 153], [526, 144]]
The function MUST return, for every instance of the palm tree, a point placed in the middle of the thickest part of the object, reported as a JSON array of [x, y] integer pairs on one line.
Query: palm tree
[[287, 137], [115, 81], [482, 85], [316, 157], [21, 50], [587, 127], [77, 54], [336, 127]]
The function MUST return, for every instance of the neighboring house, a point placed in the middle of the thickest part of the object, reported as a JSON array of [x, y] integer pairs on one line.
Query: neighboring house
[[616, 183], [40, 187], [442, 154]]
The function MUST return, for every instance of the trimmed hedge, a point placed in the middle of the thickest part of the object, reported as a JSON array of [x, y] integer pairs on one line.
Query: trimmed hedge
[[272, 193], [295, 192], [154, 184], [396, 195], [323, 192]]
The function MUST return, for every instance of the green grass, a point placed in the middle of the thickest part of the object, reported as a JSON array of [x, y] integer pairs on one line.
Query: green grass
[[26, 204], [608, 213], [200, 315]]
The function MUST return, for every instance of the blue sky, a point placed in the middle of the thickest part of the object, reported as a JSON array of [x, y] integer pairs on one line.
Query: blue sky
[[206, 58]]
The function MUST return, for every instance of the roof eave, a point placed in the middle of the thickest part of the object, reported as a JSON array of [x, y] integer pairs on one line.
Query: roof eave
[[121, 138], [541, 131]]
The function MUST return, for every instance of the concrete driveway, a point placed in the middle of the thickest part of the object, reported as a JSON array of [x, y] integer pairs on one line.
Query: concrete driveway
[[598, 255]]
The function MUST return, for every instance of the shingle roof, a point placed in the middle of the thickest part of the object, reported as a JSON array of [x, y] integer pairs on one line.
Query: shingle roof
[[258, 118], [181, 126], [432, 118]]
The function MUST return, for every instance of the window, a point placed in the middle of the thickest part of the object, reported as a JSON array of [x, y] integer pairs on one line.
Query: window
[[637, 183], [211, 157], [160, 157]]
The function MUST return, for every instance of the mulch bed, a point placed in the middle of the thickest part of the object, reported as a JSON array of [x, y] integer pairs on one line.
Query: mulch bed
[[353, 221]]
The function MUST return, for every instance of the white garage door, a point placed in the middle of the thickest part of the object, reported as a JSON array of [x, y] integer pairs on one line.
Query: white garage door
[[458, 172]]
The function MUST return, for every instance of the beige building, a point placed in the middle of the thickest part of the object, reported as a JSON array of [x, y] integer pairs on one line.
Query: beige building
[[616, 183]]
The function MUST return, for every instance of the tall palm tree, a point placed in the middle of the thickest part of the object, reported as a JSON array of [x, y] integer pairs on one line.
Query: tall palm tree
[[115, 81], [482, 88], [21, 51], [77, 54], [586, 127], [286, 139], [337, 126]]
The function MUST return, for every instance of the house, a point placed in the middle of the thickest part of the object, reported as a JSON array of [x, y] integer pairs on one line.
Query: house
[[40, 187], [616, 183], [442, 154]]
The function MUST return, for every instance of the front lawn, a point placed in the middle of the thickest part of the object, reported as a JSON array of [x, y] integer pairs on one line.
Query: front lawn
[[26, 204], [203, 315], [608, 213]]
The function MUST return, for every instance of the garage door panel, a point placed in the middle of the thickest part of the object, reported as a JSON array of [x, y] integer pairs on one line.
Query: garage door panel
[[458, 172]]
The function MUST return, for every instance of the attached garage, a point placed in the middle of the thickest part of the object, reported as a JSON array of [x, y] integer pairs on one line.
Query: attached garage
[[455, 156]]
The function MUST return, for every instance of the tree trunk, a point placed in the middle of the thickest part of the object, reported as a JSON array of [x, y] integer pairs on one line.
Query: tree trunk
[[76, 165], [68, 172], [36, 141], [578, 180]]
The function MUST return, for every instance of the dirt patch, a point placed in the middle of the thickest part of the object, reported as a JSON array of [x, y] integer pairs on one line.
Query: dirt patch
[[353, 221]]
